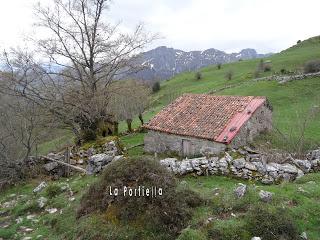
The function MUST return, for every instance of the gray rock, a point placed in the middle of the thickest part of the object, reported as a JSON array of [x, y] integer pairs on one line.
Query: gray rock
[[239, 163], [240, 190], [100, 158], [304, 165], [117, 158], [50, 166], [256, 238], [267, 179], [265, 196], [288, 168], [304, 236], [315, 154], [42, 201], [250, 166], [40, 187]]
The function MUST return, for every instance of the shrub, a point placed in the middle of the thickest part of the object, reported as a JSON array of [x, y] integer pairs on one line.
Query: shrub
[[267, 68], [190, 234], [271, 224], [229, 75], [228, 230], [168, 212], [156, 87], [283, 71], [198, 76], [299, 41], [219, 65], [312, 66], [53, 190]]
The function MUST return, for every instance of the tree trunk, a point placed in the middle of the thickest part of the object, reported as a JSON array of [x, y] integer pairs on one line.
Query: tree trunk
[[141, 119], [129, 123], [116, 129]]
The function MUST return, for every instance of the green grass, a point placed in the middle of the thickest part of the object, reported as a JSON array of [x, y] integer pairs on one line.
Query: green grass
[[303, 207], [229, 213]]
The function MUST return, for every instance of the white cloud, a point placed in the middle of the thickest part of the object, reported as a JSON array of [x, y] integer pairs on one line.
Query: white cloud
[[228, 25]]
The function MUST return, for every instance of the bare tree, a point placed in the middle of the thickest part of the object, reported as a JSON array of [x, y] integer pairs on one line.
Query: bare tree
[[22, 129], [81, 57], [130, 100]]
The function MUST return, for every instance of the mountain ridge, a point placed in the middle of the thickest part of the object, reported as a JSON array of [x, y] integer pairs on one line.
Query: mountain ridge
[[165, 62]]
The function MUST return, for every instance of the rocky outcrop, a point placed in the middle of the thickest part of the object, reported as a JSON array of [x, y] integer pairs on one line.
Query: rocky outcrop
[[249, 166]]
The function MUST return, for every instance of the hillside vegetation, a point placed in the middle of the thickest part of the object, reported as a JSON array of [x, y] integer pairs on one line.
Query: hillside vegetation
[[292, 102], [294, 207]]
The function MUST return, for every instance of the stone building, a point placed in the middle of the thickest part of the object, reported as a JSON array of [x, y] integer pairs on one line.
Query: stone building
[[195, 123]]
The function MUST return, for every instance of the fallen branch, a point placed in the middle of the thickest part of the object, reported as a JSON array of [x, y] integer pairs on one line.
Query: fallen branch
[[65, 164], [138, 145]]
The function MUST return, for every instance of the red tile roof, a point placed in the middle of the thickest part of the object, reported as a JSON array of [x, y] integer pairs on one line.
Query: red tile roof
[[211, 117]]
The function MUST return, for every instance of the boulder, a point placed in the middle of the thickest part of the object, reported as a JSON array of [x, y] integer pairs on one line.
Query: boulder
[[240, 190], [50, 166], [40, 187], [97, 162], [304, 236], [304, 165], [315, 154], [265, 196], [239, 163], [256, 238], [42, 201], [250, 166], [288, 168]]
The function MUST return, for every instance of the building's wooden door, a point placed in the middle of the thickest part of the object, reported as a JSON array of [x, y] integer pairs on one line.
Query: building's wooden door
[[186, 147]]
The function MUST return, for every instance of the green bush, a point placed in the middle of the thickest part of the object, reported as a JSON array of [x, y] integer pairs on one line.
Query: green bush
[[191, 234], [168, 212], [156, 87], [198, 76], [228, 230], [312, 66], [53, 190], [271, 224]]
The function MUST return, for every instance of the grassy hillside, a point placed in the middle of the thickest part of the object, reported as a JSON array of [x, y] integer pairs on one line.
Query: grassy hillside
[[230, 218], [291, 101]]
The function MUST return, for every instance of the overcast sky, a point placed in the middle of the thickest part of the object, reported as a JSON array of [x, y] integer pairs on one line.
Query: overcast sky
[[229, 25]]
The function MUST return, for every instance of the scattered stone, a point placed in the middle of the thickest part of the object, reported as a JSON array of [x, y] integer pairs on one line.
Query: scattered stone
[[19, 220], [209, 220], [25, 229], [240, 190], [51, 210], [9, 204], [265, 196], [42, 201], [304, 236], [27, 238], [71, 199], [256, 238], [97, 162], [40, 187]]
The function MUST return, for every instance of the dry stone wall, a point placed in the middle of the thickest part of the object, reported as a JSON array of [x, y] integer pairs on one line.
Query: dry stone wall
[[250, 166]]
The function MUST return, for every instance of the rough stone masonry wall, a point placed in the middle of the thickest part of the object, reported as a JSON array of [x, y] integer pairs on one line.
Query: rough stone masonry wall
[[169, 143], [260, 121], [249, 166]]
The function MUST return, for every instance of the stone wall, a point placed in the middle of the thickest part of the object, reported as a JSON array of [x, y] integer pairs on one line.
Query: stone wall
[[248, 166], [169, 143], [260, 121]]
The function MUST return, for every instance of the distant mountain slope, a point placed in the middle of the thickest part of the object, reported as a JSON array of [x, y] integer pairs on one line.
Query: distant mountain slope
[[163, 62]]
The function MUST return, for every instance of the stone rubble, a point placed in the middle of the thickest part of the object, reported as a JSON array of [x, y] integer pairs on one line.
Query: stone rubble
[[40, 187], [265, 196], [93, 159], [240, 190], [250, 166]]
